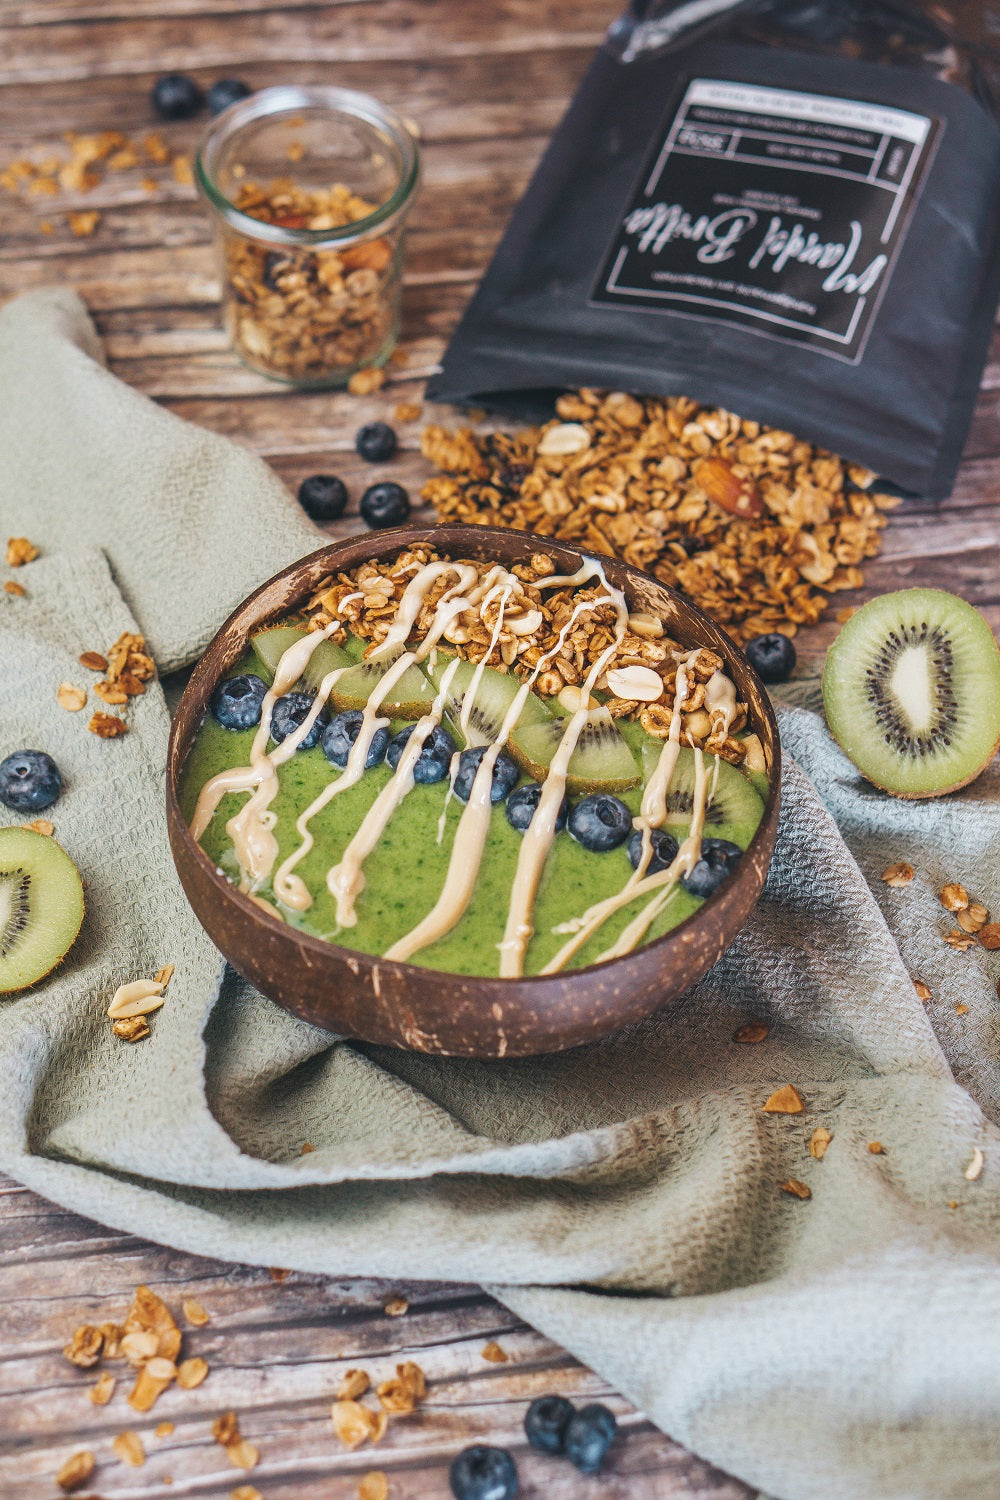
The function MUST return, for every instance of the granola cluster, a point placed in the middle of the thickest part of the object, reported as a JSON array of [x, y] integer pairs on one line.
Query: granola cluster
[[90, 157], [305, 314], [126, 669], [150, 1342], [752, 524], [539, 623]]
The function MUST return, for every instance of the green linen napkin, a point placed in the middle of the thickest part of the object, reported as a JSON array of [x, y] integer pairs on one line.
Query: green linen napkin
[[625, 1198]]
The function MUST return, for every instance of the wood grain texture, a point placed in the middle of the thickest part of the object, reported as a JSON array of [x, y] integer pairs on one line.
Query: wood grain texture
[[486, 85], [277, 1352]]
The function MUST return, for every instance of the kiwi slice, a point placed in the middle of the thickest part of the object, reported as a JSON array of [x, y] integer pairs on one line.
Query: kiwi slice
[[759, 780], [601, 762], [410, 696], [911, 689], [735, 805], [41, 906], [495, 692], [271, 644]]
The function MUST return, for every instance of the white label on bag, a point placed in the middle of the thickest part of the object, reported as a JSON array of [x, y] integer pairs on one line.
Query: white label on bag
[[781, 212]]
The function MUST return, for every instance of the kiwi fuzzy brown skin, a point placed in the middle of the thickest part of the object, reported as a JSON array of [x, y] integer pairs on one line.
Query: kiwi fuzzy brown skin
[[973, 639], [24, 839]]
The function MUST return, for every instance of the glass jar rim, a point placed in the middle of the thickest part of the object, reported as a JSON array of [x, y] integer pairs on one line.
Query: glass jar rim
[[287, 99]]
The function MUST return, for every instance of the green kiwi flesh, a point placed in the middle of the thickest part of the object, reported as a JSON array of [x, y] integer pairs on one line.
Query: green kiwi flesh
[[911, 689], [410, 696], [734, 803], [270, 646], [601, 762], [495, 692], [41, 907]]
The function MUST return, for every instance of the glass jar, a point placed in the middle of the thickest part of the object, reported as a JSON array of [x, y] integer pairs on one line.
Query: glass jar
[[308, 190]]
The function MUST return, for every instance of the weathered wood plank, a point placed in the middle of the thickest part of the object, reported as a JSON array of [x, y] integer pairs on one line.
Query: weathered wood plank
[[276, 1354], [332, 34]]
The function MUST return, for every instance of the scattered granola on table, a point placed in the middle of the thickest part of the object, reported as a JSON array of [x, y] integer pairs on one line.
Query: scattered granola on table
[[76, 1471], [355, 1424], [752, 524]]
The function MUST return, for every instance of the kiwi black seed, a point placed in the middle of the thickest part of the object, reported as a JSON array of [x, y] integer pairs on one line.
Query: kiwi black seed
[[911, 689], [41, 906]]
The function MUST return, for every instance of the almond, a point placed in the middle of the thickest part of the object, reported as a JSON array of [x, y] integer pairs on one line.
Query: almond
[[723, 486]]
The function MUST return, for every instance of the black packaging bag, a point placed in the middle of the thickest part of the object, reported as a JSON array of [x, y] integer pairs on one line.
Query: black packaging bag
[[790, 208]]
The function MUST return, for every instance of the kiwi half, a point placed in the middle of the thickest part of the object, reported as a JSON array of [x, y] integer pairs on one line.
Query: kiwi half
[[735, 808], [495, 692], [911, 690], [41, 906], [601, 762]]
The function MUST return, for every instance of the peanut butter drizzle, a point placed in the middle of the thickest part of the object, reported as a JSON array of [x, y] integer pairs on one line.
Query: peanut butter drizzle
[[346, 880], [288, 887], [473, 826], [470, 837], [252, 828], [652, 815], [541, 831], [683, 863]]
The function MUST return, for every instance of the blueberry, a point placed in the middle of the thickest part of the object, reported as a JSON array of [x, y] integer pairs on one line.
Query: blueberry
[[665, 848], [236, 702], [521, 806], [434, 760], [224, 92], [505, 774], [29, 781], [771, 656], [340, 734], [375, 442], [600, 822], [289, 712], [323, 497], [545, 1422], [719, 858], [176, 97], [589, 1434], [385, 504], [482, 1473]]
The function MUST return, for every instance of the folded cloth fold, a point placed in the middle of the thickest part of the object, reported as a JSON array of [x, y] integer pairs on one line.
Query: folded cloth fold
[[188, 520], [627, 1197]]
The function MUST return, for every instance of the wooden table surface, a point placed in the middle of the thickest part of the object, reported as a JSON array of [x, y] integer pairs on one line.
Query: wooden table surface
[[486, 84]]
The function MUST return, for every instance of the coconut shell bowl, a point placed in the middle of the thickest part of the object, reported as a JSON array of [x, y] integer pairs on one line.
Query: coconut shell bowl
[[404, 1005]]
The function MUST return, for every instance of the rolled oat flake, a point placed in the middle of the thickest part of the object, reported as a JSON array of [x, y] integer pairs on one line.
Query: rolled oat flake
[[790, 208]]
